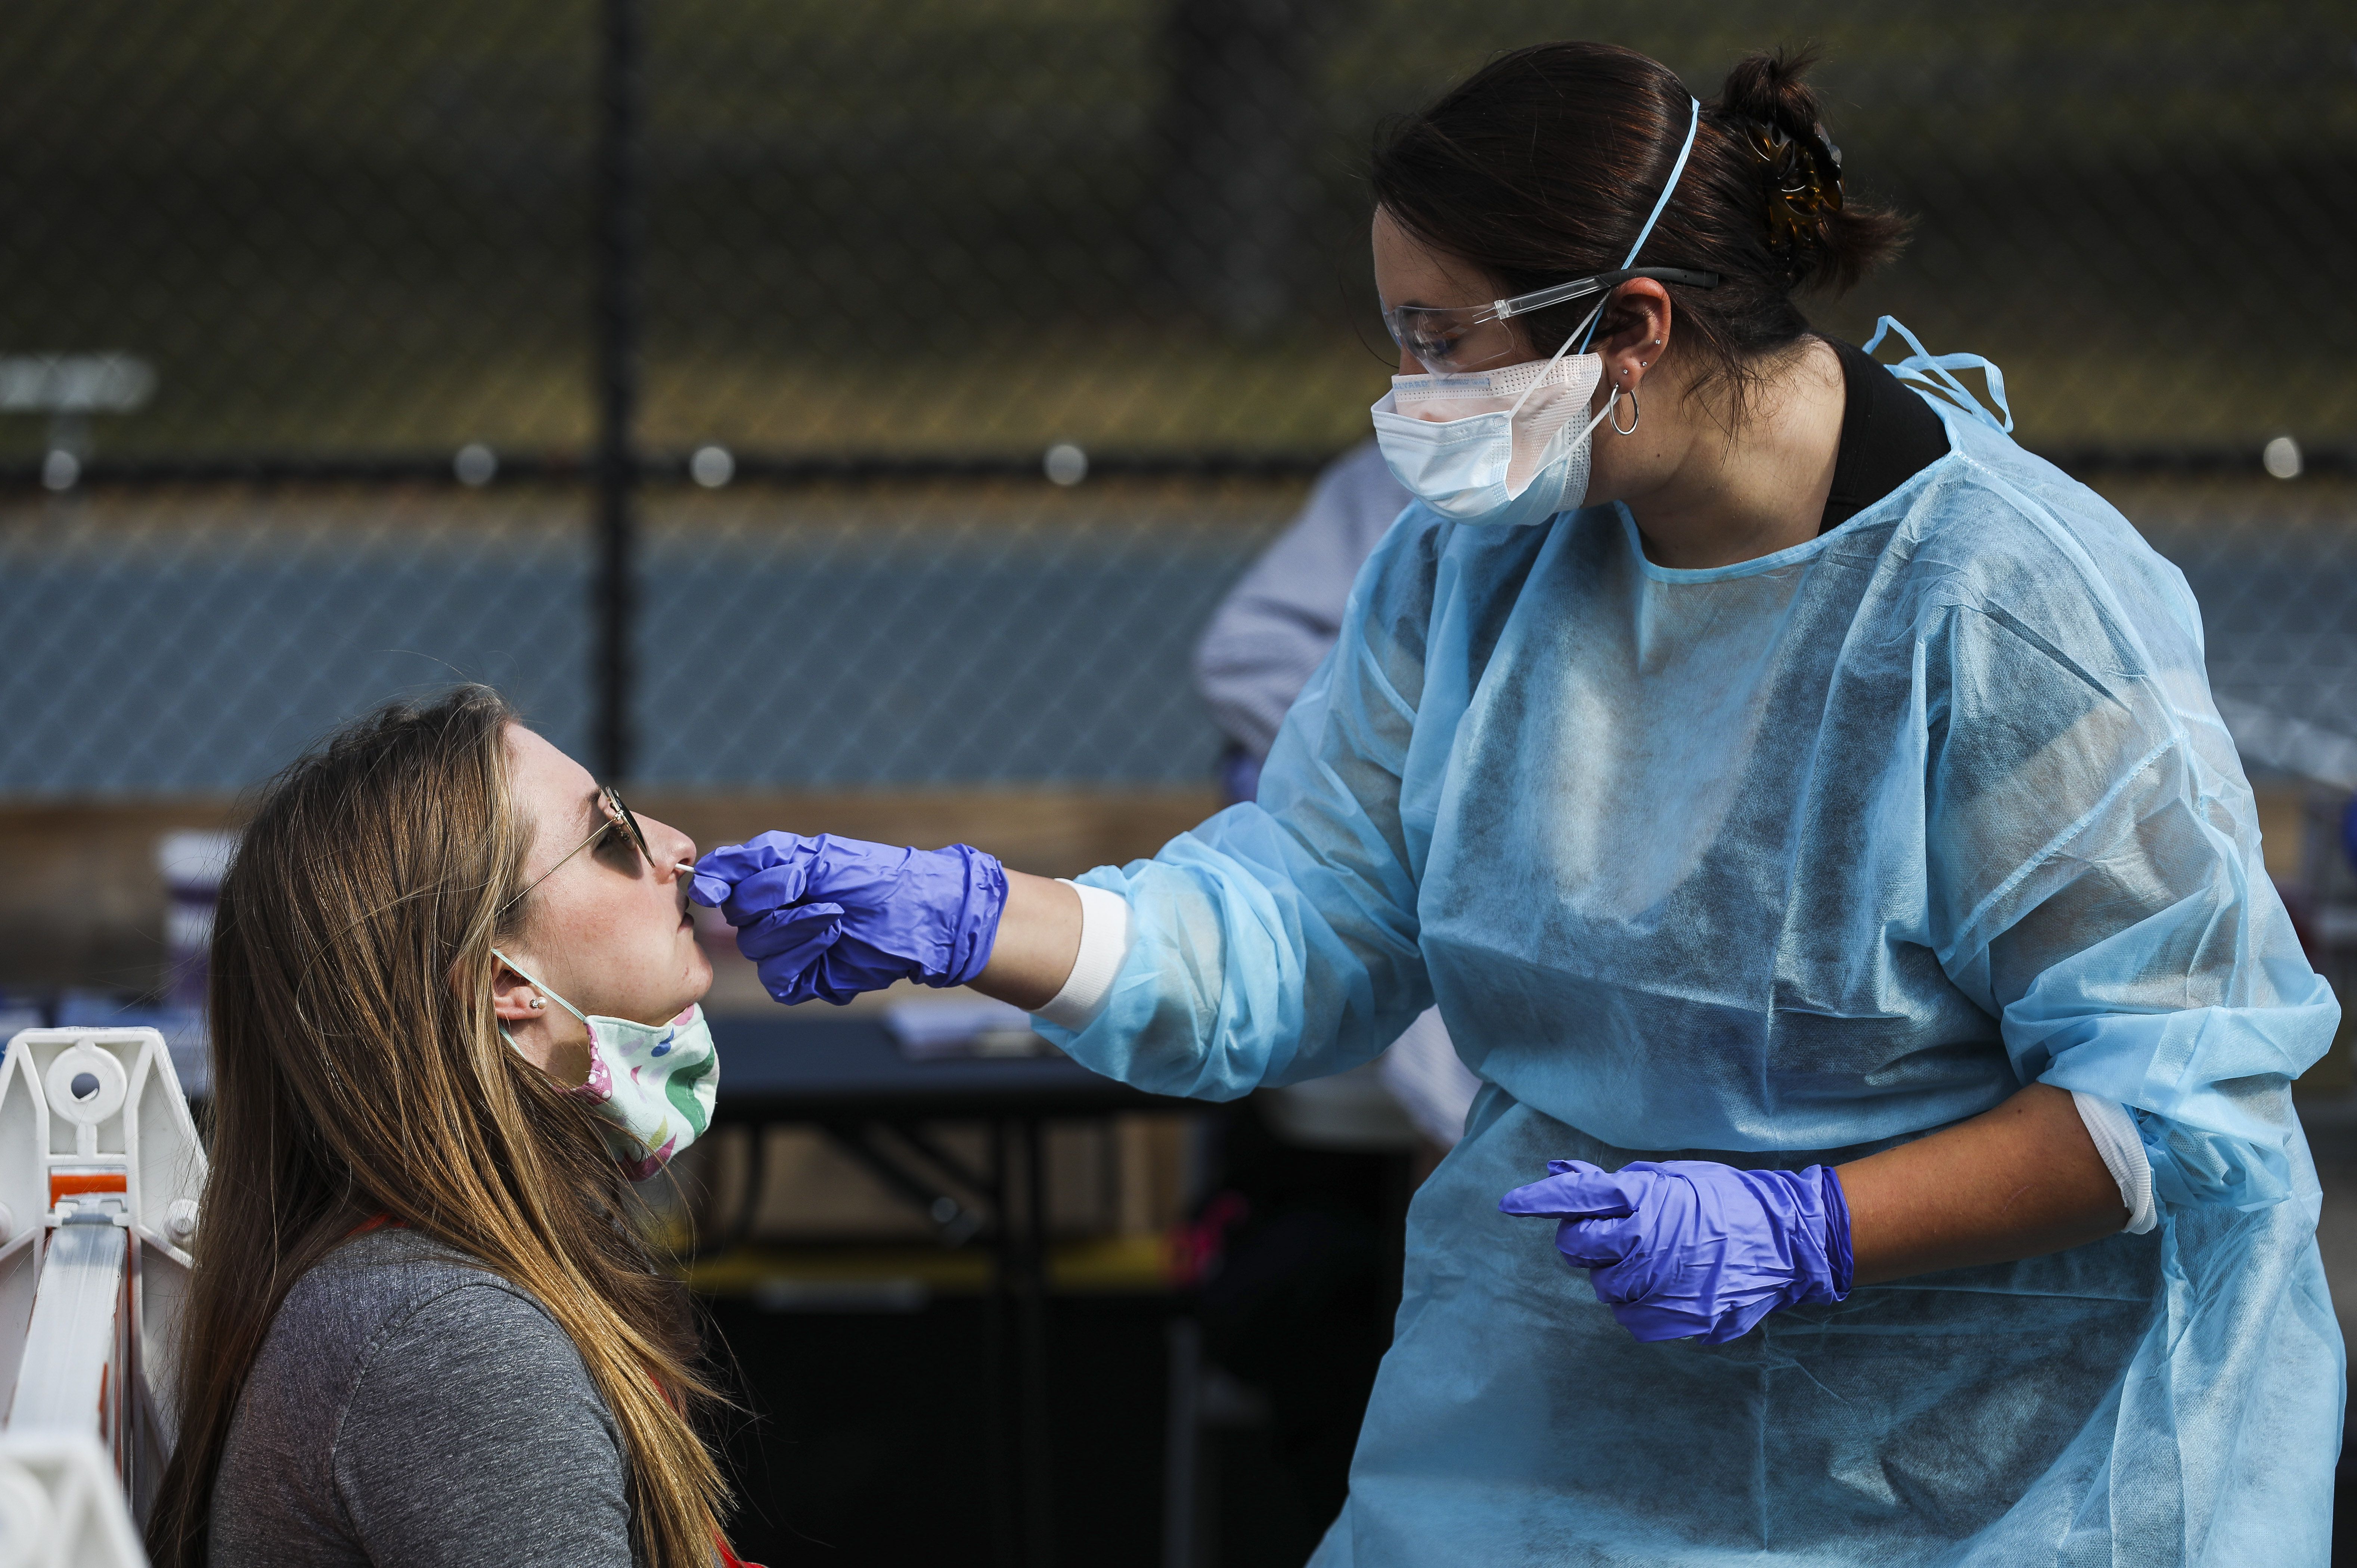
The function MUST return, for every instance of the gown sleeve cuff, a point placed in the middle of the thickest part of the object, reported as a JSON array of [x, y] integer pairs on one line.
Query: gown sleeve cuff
[[2115, 1134], [1105, 944]]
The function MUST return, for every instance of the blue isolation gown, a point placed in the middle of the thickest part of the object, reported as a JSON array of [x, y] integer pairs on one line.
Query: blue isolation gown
[[1776, 864]]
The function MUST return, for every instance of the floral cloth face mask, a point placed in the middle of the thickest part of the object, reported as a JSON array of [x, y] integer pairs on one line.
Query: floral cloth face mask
[[652, 1084]]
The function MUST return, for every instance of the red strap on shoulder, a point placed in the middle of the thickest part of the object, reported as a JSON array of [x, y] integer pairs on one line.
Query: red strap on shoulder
[[379, 1223], [727, 1558]]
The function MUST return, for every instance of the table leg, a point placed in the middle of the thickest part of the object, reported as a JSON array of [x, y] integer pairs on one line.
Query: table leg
[[740, 1227], [1182, 1444], [1039, 1473], [999, 1319]]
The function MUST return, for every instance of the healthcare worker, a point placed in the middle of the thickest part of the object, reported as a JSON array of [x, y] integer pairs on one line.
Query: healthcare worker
[[1809, 813]]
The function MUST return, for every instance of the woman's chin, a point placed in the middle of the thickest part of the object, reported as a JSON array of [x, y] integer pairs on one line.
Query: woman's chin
[[699, 975]]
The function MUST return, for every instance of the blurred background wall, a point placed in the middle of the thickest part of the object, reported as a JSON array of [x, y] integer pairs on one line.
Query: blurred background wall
[[430, 298], [847, 415], [689, 371], [692, 372]]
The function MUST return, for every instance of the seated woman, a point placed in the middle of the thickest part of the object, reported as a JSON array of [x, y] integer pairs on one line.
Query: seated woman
[[454, 1014]]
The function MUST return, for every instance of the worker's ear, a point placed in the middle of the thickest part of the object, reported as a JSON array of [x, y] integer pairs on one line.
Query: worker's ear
[[1633, 334]]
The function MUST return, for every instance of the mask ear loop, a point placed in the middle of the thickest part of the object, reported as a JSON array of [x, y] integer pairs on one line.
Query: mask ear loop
[[1669, 189], [528, 975], [1587, 328], [1611, 398], [1660, 204], [1590, 429], [1552, 360]]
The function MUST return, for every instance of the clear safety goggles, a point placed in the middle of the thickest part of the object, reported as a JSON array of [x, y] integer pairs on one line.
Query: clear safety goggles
[[1453, 339]]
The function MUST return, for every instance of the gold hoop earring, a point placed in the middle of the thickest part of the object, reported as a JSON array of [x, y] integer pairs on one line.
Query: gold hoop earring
[[1636, 413]]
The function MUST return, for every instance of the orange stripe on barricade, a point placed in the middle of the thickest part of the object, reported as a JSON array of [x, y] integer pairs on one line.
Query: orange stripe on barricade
[[68, 1184]]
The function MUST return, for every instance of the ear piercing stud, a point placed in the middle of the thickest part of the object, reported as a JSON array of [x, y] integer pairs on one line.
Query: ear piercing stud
[[538, 1002]]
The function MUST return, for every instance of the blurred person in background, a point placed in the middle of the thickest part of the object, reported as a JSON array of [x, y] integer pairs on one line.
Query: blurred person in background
[[1808, 810], [1264, 642], [1294, 1252], [454, 1015]]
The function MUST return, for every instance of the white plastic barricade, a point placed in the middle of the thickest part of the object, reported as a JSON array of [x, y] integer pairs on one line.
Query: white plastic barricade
[[60, 1504], [99, 1175]]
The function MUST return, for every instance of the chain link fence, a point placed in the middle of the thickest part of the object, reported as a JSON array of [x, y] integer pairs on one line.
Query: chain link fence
[[688, 370]]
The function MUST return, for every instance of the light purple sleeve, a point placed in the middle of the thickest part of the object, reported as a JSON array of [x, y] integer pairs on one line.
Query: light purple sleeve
[[1278, 621]]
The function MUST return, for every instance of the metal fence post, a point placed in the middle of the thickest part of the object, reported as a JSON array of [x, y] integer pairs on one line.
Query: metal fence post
[[619, 221]]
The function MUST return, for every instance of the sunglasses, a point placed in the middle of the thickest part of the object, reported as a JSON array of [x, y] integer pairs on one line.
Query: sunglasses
[[618, 820]]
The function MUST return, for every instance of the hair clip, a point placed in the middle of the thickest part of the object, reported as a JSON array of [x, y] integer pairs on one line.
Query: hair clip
[[1805, 186]]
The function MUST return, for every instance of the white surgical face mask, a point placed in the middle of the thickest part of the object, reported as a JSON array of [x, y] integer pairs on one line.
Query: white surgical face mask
[[652, 1084], [1504, 447]]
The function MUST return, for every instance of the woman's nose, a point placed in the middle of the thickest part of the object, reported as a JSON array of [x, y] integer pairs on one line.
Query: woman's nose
[[674, 851]]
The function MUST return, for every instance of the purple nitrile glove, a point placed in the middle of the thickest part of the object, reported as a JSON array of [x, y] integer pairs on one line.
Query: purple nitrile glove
[[1681, 1248], [831, 917]]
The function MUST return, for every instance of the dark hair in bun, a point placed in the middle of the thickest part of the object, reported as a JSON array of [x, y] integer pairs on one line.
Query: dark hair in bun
[[1542, 164]]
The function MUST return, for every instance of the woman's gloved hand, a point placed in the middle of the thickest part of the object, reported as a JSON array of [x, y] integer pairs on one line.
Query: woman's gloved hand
[[1682, 1247], [831, 917]]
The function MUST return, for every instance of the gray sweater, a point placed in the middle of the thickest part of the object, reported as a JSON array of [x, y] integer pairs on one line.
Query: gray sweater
[[410, 1407]]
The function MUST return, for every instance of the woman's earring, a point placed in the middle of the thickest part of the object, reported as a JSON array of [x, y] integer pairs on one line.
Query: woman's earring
[[1635, 414], [538, 1002]]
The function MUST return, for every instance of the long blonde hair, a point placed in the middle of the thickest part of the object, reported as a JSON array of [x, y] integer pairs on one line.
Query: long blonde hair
[[358, 1070]]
